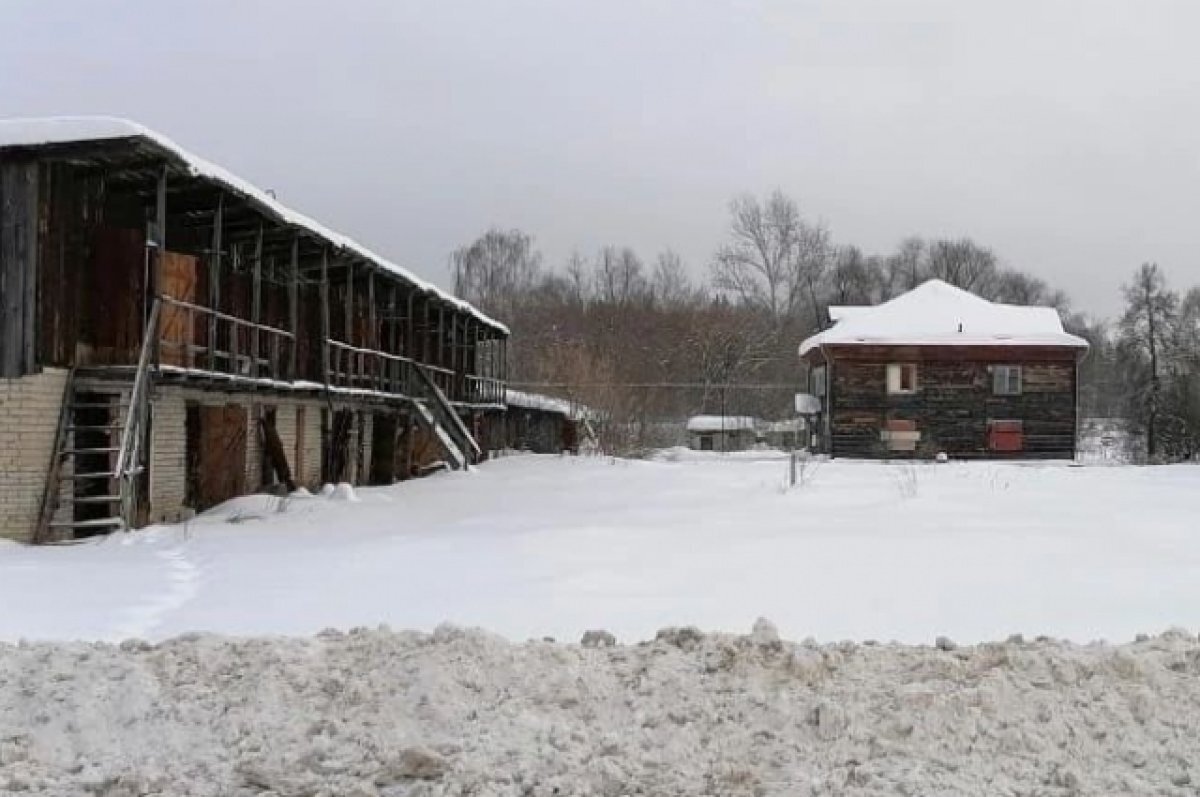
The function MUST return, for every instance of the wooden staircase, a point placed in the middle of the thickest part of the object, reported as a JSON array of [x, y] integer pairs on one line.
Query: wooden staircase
[[97, 465], [82, 495], [436, 413]]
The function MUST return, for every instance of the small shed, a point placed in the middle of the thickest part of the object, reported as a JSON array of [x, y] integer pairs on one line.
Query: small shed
[[545, 424], [722, 432]]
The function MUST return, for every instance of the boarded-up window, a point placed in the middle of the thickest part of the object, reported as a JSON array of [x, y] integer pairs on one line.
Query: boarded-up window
[[1006, 435], [1006, 380], [901, 378], [901, 435], [177, 280]]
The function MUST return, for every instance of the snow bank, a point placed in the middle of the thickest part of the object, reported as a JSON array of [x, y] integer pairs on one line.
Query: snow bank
[[463, 712]]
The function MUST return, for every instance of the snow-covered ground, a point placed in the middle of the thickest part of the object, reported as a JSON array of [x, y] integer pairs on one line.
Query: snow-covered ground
[[536, 546]]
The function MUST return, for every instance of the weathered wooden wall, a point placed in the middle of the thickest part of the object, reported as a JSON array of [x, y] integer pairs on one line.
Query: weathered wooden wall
[[954, 401], [18, 267]]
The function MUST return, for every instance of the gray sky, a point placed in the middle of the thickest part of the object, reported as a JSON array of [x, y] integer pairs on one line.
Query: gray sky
[[1064, 134]]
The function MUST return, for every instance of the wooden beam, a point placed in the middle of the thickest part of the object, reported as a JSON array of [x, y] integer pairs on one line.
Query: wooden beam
[[325, 315], [410, 339], [154, 265], [18, 268], [256, 302], [349, 321], [294, 305], [214, 278]]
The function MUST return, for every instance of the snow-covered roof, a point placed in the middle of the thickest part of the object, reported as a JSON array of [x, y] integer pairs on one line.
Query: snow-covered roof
[[536, 401], [721, 423], [72, 129], [938, 314]]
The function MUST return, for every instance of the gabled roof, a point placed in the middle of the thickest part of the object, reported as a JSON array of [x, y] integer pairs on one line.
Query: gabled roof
[[936, 313], [31, 133]]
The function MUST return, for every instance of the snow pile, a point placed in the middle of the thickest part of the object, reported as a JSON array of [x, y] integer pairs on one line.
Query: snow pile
[[70, 129], [938, 314], [721, 423], [463, 712]]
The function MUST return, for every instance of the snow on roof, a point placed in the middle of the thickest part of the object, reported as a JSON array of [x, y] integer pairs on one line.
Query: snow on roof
[[938, 314], [536, 401], [721, 423], [71, 129]]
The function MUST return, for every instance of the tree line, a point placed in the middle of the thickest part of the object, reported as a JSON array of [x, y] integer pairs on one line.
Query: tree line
[[647, 343]]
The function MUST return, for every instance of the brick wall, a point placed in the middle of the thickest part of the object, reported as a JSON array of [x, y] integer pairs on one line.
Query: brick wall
[[168, 475], [29, 411]]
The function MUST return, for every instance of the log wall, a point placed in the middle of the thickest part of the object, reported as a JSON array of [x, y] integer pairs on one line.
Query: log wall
[[953, 403]]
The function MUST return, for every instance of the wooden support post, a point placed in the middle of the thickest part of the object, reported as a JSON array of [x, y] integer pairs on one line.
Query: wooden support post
[[294, 306], [394, 342], [348, 325], [410, 338], [256, 303], [325, 313], [441, 336], [150, 287], [372, 329], [214, 280], [426, 336]]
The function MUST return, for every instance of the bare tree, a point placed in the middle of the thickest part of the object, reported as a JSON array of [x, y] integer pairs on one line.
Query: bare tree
[[619, 275], [907, 267], [962, 263], [495, 270], [773, 256], [670, 282]]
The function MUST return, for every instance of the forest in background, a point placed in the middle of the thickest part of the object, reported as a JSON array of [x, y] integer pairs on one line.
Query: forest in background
[[638, 339]]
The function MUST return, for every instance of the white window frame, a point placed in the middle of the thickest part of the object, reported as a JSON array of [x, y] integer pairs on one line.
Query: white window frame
[[1003, 380], [895, 379]]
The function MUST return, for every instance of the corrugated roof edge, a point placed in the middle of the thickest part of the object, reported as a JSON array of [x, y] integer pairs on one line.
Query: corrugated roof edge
[[69, 129]]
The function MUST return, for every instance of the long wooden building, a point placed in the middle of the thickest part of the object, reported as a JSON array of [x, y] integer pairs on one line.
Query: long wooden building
[[940, 370], [171, 337]]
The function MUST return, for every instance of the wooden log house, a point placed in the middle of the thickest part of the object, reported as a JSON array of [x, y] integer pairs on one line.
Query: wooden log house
[[940, 370], [172, 336]]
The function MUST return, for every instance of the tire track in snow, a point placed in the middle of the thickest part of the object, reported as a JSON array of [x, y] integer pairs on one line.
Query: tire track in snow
[[183, 582]]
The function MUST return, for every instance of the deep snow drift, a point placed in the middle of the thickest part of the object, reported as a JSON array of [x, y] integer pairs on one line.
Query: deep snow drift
[[462, 712], [530, 546]]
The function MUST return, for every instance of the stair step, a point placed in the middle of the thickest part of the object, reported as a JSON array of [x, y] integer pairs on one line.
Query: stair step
[[111, 427], [100, 406], [107, 474], [105, 450], [96, 499], [97, 523]]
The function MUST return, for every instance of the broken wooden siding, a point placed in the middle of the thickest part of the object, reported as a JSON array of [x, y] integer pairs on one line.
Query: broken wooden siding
[[18, 267], [954, 402]]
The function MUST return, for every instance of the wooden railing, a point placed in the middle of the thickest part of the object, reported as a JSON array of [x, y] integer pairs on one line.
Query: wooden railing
[[368, 369], [484, 390], [191, 336], [130, 457]]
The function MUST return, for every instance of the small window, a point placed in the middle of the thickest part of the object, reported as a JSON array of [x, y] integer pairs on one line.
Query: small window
[[1006, 380], [901, 378]]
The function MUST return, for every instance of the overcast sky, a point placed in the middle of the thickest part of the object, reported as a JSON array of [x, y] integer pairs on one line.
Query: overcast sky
[[1066, 135]]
